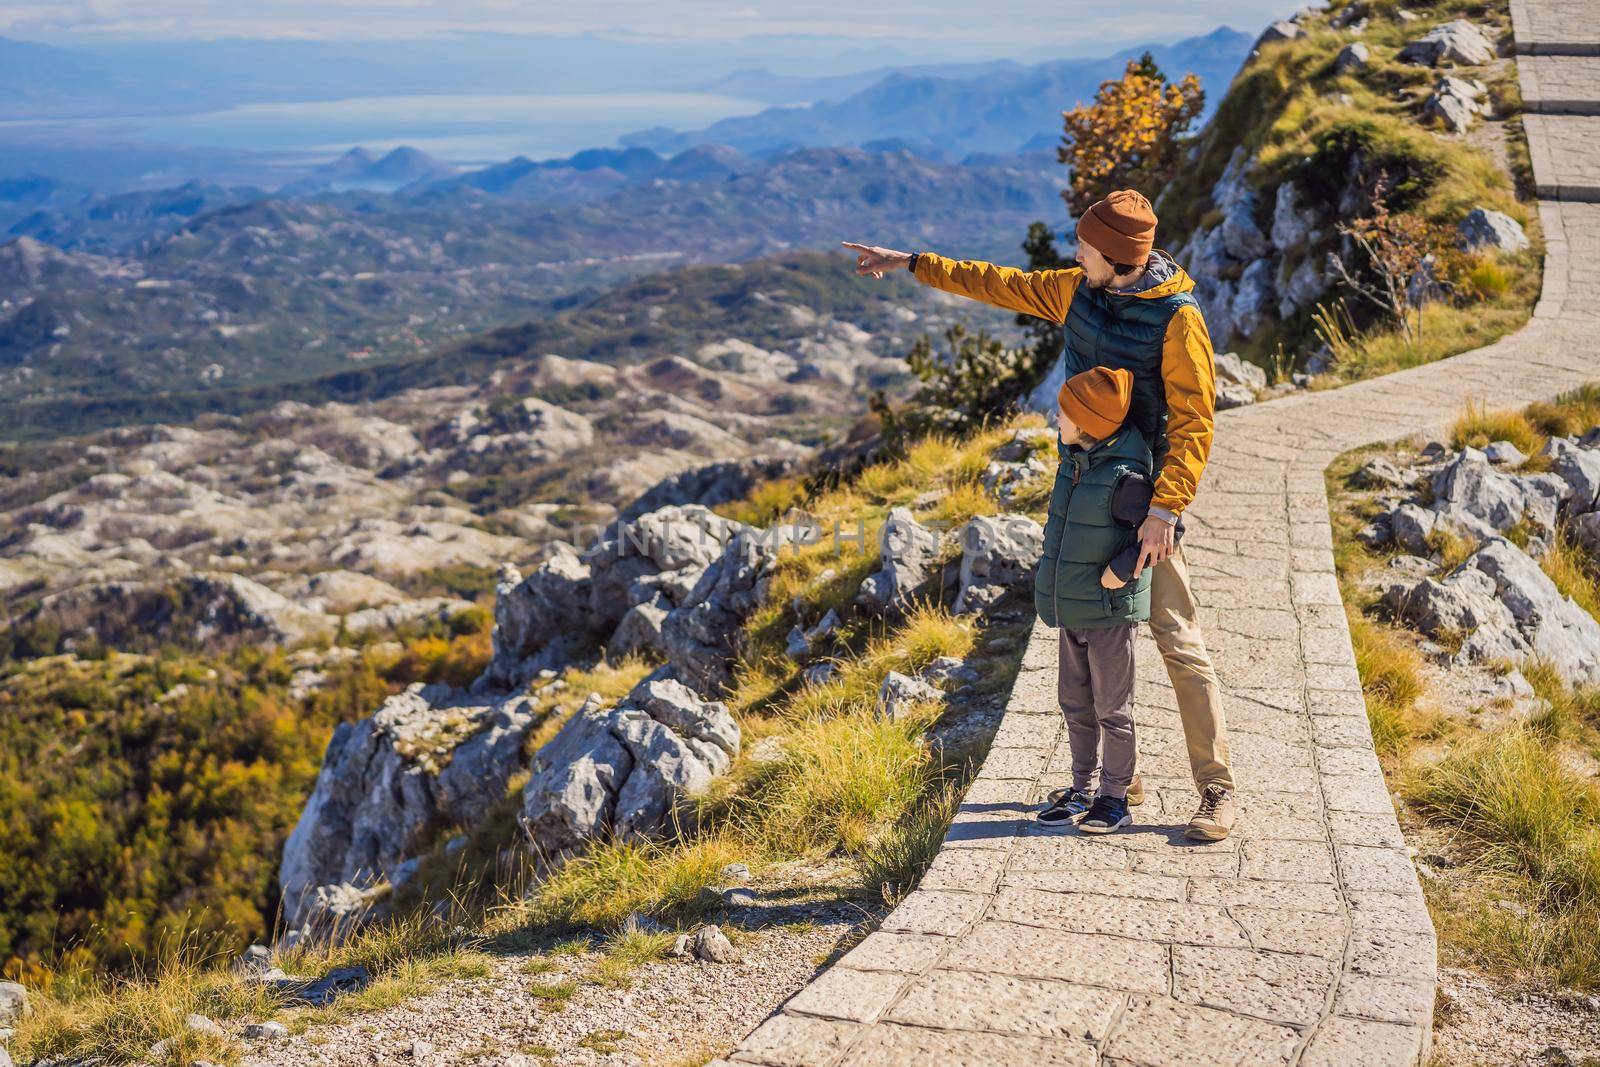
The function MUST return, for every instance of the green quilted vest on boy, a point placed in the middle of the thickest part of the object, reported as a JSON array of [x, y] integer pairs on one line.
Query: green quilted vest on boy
[[1081, 537]]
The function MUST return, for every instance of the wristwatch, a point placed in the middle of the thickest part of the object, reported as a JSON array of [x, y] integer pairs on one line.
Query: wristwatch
[[911, 264]]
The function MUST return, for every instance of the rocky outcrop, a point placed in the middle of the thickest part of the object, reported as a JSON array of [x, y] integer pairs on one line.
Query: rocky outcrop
[[699, 637], [1455, 102], [1455, 42], [1254, 266], [998, 553], [909, 556], [622, 771], [637, 573], [1502, 607], [1482, 500], [429, 757]]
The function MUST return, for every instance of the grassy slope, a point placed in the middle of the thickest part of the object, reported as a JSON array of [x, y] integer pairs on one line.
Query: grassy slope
[[1505, 803], [821, 779], [1302, 121]]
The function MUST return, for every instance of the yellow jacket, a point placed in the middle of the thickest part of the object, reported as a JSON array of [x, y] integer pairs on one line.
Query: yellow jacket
[[1188, 372]]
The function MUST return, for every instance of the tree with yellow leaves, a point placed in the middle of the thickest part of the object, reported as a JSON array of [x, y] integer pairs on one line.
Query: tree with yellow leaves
[[1127, 138]]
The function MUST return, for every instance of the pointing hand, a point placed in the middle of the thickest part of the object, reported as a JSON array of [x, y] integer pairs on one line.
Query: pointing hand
[[870, 259]]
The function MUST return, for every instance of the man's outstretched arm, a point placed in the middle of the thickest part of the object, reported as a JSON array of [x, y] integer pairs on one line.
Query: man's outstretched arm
[[1041, 293]]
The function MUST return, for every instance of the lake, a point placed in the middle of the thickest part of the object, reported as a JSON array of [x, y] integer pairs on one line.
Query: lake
[[463, 128]]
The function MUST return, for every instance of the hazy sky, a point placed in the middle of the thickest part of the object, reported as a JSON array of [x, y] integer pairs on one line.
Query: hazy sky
[[939, 25]]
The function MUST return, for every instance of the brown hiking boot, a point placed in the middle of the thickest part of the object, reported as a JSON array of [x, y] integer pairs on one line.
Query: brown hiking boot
[[1215, 816], [1136, 790]]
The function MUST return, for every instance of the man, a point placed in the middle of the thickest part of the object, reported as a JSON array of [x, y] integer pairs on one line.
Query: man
[[1128, 305]]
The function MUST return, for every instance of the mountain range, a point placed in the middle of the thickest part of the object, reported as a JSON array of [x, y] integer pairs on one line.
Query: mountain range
[[1003, 107]]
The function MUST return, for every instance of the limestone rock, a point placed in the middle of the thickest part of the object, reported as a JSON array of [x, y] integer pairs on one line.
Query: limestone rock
[[1353, 56], [1023, 443], [1504, 454], [699, 635], [1282, 30], [385, 784], [1579, 468], [268, 1031], [1378, 473], [1004, 480], [898, 692], [1232, 395], [530, 613], [1556, 628], [997, 553], [1452, 111], [1470, 492], [1256, 296], [1586, 529], [908, 552], [1485, 228], [319, 992], [1301, 288], [1507, 608], [1242, 236], [714, 483], [623, 770], [1458, 41], [257, 959], [640, 628], [948, 668], [14, 1004], [1410, 526], [709, 943], [664, 551], [803, 642], [1293, 221], [820, 673], [1236, 370]]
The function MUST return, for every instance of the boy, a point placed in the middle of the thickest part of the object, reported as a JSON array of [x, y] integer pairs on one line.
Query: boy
[[1086, 585]]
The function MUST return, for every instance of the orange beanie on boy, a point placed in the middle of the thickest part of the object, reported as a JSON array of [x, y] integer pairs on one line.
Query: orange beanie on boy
[[1097, 400]]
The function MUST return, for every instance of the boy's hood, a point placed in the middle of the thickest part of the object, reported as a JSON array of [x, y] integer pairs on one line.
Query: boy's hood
[[1162, 277]]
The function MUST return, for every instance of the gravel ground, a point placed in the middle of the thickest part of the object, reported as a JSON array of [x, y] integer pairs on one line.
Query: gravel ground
[[1482, 1022], [676, 1012]]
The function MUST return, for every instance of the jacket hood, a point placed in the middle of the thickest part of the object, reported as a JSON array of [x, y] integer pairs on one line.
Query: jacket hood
[[1162, 277]]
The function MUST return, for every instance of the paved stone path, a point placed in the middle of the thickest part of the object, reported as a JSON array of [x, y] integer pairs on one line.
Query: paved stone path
[[1302, 939]]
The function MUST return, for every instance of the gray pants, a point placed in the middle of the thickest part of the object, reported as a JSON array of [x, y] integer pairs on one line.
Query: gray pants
[[1096, 693]]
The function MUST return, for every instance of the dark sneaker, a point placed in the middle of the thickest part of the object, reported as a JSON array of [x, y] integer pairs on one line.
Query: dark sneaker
[[1066, 807], [1106, 815], [1214, 819]]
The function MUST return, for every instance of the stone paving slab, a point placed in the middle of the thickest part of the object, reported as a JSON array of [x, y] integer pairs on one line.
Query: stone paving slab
[[1555, 27], [1302, 939], [1566, 165], [1560, 85]]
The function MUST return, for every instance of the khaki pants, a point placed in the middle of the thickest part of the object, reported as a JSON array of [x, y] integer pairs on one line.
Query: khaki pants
[[1174, 625]]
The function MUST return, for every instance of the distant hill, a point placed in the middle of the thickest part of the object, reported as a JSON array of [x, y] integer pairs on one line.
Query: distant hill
[[266, 292], [995, 108], [756, 84], [360, 169]]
